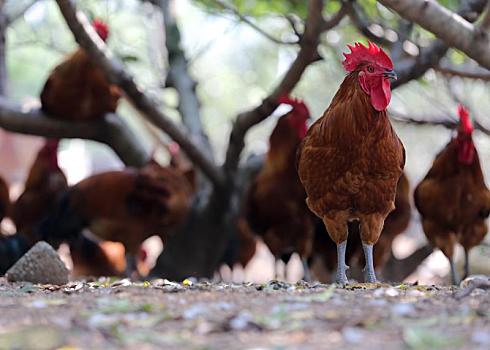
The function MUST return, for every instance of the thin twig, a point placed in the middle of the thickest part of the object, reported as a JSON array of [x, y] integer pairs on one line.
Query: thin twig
[[252, 25], [464, 71]]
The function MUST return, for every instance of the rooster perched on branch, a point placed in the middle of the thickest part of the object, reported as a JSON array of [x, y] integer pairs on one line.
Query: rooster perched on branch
[[125, 206], [351, 158], [275, 207], [453, 199], [77, 89]]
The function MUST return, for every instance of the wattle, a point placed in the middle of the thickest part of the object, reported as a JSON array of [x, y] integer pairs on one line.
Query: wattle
[[380, 92]]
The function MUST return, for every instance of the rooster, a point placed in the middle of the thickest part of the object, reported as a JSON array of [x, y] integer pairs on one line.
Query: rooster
[[351, 158], [453, 199], [77, 89], [4, 199], [275, 207], [126, 206]]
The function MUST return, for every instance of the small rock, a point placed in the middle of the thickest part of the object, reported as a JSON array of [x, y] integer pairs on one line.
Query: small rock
[[41, 264], [472, 279]]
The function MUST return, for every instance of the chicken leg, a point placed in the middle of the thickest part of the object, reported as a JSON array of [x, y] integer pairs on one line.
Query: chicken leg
[[370, 229], [466, 263], [369, 274], [306, 270], [454, 274], [341, 265], [132, 266]]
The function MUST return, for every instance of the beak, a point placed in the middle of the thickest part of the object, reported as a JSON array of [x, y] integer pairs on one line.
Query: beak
[[390, 74]]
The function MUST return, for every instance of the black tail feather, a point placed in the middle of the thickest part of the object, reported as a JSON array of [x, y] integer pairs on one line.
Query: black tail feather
[[63, 224]]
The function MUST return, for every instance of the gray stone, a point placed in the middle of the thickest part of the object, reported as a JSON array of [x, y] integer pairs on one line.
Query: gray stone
[[41, 264]]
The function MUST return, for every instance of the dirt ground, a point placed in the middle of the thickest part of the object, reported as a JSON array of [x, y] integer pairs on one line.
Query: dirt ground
[[118, 314]]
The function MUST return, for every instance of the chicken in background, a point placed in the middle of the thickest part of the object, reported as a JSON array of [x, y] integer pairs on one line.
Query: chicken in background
[[351, 158], [126, 206], [44, 185], [275, 207], [241, 246], [324, 249], [453, 199], [77, 89]]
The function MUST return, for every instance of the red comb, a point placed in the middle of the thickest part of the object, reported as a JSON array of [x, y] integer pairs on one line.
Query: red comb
[[101, 28], [360, 53], [464, 119], [297, 104]]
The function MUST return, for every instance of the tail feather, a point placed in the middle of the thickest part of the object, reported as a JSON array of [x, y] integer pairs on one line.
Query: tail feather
[[62, 224]]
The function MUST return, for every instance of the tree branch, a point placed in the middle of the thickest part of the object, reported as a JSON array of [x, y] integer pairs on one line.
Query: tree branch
[[485, 23], [430, 56], [448, 26], [415, 67], [442, 120], [306, 55], [116, 72], [360, 20], [179, 78], [463, 71], [252, 25], [111, 130]]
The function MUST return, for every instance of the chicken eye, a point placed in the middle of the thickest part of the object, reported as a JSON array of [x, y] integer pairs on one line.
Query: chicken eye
[[370, 69]]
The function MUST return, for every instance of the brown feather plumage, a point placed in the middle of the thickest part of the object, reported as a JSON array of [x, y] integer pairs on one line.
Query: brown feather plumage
[[78, 90], [129, 206], [44, 184], [275, 207], [350, 163], [396, 222], [453, 201]]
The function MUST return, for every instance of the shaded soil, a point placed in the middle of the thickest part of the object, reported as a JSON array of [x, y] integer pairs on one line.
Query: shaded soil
[[108, 314]]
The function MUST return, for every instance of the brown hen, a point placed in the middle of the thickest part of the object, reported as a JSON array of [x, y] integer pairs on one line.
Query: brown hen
[[452, 199], [125, 206], [77, 89], [275, 207]]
